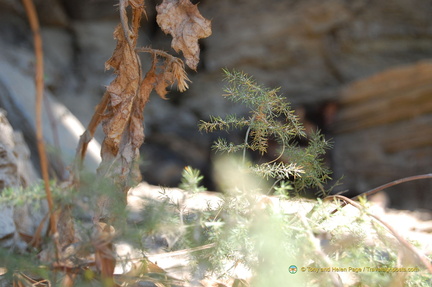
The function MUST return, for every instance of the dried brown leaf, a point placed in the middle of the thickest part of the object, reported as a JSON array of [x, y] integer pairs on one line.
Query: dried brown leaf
[[122, 90], [172, 72], [127, 95], [123, 116], [182, 20], [167, 73], [180, 75]]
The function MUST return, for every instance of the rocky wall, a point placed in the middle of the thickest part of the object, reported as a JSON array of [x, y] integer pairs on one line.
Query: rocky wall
[[383, 132], [312, 49]]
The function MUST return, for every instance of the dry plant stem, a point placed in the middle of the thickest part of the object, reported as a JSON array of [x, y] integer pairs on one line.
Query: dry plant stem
[[39, 81], [393, 183], [20, 277], [87, 136], [384, 186], [245, 141], [156, 52], [402, 240], [37, 238], [124, 21]]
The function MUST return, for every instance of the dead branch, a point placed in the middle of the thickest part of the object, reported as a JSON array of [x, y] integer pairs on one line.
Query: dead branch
[[39, 82], [422, 258], [384, 186], [393, 183], [88, 135]]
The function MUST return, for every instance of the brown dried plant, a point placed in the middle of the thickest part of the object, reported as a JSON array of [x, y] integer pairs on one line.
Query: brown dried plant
[[121, 108], [121, 114], [40, 86], [182, 20]]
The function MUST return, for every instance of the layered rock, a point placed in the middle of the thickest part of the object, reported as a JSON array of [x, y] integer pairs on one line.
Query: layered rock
[[310, 48], [17, 222], [383, 132]]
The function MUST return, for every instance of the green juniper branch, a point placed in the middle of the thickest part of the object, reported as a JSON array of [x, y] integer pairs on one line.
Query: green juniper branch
[[271, 118]]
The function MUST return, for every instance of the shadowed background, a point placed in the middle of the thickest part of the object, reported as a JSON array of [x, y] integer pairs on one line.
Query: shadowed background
[[358, 70]]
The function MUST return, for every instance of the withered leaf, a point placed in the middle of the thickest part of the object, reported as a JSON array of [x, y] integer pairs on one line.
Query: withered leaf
[[167, 73], [182, 20], [127, 95], [122, 122], [172, 72]]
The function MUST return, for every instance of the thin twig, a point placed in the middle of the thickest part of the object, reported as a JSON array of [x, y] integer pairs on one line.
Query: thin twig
[[39, 82], [384, 186], [402, 240], [157, 52], [87, 136], [393, 183], [124, 22], [246, 142]]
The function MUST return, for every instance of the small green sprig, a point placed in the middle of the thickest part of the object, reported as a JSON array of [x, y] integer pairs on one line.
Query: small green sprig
[[266, 109], [191, 180], [271, 118]]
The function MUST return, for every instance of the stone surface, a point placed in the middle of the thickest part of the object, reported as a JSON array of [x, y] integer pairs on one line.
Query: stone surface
[[61, 128], [51, 11], [383, 132], [310, 48], [16, 171], [90, 10], [7, 226], [335, 233]]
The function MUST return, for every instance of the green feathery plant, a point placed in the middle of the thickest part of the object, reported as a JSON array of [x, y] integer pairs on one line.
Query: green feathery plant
[[191, 180], [253, 232], [250, 235], [271, 118]]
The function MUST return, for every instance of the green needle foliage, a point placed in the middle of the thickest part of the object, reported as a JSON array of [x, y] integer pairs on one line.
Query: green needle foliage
[[191, 179], [247, 236], [271, 118]]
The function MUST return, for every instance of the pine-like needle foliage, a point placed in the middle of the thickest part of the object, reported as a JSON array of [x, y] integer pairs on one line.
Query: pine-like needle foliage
[[271, 118]]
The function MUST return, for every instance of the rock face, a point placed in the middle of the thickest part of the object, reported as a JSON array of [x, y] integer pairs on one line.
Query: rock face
[[17, 222], [310, 48], [61, 129], [16, 169], [17, 96], [383, 132]]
